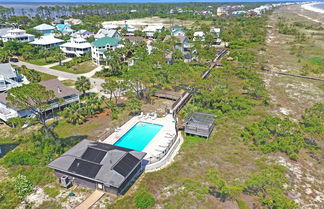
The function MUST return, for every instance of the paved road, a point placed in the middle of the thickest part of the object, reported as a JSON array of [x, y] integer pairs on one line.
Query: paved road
[[95, 82]]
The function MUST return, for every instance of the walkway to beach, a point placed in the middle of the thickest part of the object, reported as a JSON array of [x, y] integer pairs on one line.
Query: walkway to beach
[[91, 200]]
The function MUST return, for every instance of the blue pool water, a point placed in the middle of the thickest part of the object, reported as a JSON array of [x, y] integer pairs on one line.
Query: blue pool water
[[139, 136]]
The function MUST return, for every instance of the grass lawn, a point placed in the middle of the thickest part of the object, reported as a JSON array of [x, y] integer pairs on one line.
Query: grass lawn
[[42, 61], [46, 77], [80, 68]]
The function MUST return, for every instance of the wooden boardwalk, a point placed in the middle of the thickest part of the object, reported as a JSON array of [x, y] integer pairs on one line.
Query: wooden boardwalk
[[91, 200], [182, 101], [291, 74]]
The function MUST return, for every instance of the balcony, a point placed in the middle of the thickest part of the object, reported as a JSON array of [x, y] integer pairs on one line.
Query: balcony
[[7, 113]]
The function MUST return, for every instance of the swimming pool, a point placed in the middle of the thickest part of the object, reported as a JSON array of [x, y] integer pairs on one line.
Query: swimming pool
[[138, 137]]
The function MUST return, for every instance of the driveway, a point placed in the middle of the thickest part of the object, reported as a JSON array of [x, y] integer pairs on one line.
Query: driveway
[[95, 82]]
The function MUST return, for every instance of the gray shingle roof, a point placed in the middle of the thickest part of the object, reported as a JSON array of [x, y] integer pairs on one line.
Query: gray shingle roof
[[110, 165], [7, 71], [58, 87]]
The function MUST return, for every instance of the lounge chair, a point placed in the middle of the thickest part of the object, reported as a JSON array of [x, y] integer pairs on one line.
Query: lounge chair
[[141, 115], [146, 116], [154, 116]]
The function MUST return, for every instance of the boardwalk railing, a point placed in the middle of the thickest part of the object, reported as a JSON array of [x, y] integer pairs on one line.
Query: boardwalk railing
[[291, 74], [186, 96]]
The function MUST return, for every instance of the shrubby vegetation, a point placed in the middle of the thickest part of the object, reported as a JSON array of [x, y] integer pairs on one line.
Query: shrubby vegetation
[[26, 165], [274, 134], [144, 199]]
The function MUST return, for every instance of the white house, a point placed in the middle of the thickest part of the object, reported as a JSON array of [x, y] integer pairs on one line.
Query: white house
[[10, 78], [181, 42], [177, 30], [130, 30], [100, 46], [47, 41], [45, 29], [18, 35], [82, 34], [151, 29], [112, 33], [75, 47], [199, 35], [66, 94], [215, 32]]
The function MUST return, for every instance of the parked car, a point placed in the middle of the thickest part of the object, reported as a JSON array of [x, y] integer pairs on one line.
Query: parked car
[[14, 59]]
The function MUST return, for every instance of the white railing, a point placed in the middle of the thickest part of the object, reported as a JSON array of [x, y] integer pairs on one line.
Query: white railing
[[6, 113]]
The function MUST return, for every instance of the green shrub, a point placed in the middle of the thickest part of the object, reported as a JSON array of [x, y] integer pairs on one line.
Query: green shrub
[[50, 205], [274, 134], [22, 186], [51, 191], [144, 199], [19, 158]]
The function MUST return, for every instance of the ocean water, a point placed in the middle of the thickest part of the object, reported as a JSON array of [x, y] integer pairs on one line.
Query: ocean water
[[319, 6]]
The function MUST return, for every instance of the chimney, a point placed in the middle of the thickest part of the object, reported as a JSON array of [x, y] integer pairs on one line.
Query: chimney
[[59, 89]]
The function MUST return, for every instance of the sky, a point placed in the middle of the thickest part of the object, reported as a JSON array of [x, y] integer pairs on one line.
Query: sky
[[138, 1]]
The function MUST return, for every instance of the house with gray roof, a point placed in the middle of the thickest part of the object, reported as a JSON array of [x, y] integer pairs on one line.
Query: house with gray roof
[[96, 165], [112, 33], [9, 77], [65, 94]]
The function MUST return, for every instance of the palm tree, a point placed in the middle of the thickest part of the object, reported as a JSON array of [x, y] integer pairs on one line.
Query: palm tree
[[83, 84], [59, 56], [74, 114]]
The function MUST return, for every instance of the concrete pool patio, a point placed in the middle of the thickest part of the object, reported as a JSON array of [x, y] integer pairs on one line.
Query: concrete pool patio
[[161, 147]]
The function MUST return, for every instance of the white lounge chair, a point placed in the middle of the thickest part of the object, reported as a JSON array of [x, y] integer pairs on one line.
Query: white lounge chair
[[154, 116], [146, 116], [141, 115]]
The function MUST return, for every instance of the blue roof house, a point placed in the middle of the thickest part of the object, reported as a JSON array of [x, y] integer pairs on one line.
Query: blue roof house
[[64, 28]]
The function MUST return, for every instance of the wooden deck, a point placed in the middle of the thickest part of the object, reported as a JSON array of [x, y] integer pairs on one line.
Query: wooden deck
[[171, 95], [91, 200]]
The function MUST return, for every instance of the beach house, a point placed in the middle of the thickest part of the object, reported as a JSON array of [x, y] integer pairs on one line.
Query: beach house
[[64, 93], [100, 46], [100, 166], [45, 29], [112, 33], [17, 35], [82, 34], [177, 30], [47, 41], [76, 47], [10, 78], [64, 29], [152, 29]]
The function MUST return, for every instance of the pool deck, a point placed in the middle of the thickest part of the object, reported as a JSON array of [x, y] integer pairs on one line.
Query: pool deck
[[161, 140]]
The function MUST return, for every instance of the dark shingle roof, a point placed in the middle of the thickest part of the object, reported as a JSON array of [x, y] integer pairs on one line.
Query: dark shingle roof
[[99, 162], [58, 87]]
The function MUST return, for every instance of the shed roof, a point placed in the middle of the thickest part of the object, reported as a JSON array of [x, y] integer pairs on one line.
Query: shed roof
[[100, 162]]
